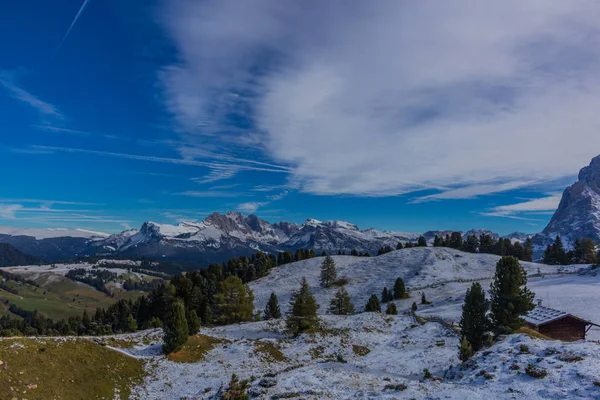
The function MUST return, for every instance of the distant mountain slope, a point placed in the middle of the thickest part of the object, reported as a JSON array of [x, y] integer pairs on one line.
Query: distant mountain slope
[[10, 256], [218, 238]]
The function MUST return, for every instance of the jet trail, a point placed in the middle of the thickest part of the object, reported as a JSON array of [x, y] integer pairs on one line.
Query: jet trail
[[85, 2]]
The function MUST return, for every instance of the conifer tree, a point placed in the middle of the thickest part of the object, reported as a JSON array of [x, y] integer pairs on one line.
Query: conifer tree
[[272, 310], [354, 253], [323, 254], [131, 323], [373, 304], [464, 350], [85, 320], [175, 328], [303, 310], [328, 272], [391, 309], [193, 322], [585, 252], [422, 242], [399, 289], [399, 246], [510, 297], [555, 253], [456, 241], [437, 241], [471, 245], [475, 322], [235, 301], [424, 299], [528, 250], [341, 303], [414, 306], [385, 296]]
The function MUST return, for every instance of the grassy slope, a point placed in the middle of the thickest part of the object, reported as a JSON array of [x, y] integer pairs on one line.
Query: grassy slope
[[63, 298], [65, 369]]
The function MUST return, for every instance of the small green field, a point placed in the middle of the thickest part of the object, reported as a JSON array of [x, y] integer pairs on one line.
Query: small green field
[[59, 297], [67, 369]]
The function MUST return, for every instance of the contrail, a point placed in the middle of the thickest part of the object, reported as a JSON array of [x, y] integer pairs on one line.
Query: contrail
[[85, 2]]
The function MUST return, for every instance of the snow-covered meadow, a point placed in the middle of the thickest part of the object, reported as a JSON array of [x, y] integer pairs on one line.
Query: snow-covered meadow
[[371, 355]]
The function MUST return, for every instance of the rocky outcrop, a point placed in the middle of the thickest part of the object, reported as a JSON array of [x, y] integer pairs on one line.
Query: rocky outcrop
[[578, 214]]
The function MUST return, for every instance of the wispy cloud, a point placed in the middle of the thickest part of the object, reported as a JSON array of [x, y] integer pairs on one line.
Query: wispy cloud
[[50, 202], [79, 12], [463, 100], [218, 174], [250, 207], [209, 193], [159, 159], [8, 211], [527, 209], [45, 109], [67, 131], [473, 191]]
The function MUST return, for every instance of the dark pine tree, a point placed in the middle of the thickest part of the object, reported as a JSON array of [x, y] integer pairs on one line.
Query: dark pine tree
[[373, 304], [385, 295], [474, 322], [328, 272], [175, 328], [303, 310], [272, 310], [341, 303], [510, 297], [391, 309], [399, 289], [528, 250], [422, 242]]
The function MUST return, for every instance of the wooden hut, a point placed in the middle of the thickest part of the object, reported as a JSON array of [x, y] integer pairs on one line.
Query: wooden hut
[[558, 324]]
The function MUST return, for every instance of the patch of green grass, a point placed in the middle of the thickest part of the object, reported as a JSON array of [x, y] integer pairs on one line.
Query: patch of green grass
[[532, 333], [65, 369], [59, 297], [269, 351], [120, 343], [360, 351], [195, 349]]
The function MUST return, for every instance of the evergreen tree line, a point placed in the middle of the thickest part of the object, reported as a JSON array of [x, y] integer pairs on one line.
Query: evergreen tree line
[[95, 278], [510, 299], [142, 285], [214, 295], [583, 252], [486, 244]]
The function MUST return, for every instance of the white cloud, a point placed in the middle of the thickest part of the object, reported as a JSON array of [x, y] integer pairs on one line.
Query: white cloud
[[8, 211], [209, 193], [470, 192], [387, 98], [549, 203], [250, 207], [166, 160], [526, 209], [17, 92]]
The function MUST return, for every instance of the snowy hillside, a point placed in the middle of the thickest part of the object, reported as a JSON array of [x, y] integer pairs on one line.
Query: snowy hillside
[[368, 355], [420, 267]]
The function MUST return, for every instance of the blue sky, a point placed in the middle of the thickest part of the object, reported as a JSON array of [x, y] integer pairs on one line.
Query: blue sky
[[398, 116]]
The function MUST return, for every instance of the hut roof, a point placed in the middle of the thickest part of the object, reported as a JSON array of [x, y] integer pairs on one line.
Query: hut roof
[[542, 315]]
